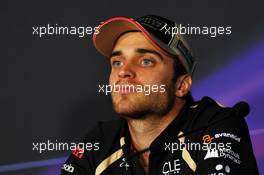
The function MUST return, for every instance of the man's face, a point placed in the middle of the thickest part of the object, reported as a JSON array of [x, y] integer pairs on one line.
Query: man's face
[[135, 61]]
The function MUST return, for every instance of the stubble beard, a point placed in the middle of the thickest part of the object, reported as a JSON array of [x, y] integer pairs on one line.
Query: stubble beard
[[138, 105]]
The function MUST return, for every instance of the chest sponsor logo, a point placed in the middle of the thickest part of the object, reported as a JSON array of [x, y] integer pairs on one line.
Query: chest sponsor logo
[[223, 153], [124, 164], [68, 168], [221, 170], [207, 139], [171, 167], [78, 152], [228, 135], [211, 153]]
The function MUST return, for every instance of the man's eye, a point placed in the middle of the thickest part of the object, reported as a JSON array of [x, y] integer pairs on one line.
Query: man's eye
[[147, 62], [117, 63]]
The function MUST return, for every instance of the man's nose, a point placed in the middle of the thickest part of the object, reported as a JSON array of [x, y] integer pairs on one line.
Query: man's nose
[[126, 72]]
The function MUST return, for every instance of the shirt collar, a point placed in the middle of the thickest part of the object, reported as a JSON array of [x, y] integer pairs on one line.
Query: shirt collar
[[169, 134]]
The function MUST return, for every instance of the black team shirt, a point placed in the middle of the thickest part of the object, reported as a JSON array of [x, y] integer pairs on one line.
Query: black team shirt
[[204, 139]]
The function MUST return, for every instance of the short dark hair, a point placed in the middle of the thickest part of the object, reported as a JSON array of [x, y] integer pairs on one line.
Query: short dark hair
[[178, 71], [178, 68]]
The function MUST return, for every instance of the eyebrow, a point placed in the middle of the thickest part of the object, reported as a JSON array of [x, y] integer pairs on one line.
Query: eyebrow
[[115, 53], [138, 50], [141, 50]]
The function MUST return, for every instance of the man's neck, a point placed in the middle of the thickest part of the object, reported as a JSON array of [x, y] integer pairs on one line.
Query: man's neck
[[144, 131]]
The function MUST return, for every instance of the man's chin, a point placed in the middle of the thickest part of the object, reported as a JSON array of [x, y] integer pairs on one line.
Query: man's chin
[[132, 115], [129, 112]]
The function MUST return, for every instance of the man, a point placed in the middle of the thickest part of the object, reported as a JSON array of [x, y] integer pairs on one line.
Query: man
[[163, 131]]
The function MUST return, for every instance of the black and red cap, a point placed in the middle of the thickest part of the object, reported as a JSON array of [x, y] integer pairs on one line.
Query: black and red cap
[[160, 31]]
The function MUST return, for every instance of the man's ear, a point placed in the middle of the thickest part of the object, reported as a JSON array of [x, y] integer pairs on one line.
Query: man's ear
[[183, 85]]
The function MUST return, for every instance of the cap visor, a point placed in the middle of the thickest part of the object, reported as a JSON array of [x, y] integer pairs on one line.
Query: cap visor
[[110, 30]]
